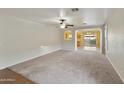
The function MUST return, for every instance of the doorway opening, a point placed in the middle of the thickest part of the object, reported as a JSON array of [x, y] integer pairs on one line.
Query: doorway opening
[[89, 39]]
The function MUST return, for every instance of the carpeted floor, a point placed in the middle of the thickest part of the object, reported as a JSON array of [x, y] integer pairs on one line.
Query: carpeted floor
[[69, 67]]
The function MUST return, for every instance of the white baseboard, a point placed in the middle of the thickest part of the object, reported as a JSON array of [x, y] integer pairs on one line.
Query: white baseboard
[[114, 68], [25, 57]]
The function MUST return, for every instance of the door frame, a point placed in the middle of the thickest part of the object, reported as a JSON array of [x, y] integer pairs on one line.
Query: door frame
[[101, 38]]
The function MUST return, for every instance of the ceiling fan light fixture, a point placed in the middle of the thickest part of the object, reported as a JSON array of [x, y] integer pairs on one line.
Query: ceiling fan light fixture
[[62, 26]]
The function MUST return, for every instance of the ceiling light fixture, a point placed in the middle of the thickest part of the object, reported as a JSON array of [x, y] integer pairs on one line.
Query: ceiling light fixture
[[62, 26]]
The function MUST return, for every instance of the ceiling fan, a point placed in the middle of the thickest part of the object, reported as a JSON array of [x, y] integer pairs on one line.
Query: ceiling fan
[[63, 24], [62, 20]]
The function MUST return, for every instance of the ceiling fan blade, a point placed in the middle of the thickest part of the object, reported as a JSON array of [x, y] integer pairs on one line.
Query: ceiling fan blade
[[55, 20], [69, 25], [63, 13], [50, 20]]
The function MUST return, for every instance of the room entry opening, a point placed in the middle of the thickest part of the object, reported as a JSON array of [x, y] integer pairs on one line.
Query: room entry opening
[[88, 40]]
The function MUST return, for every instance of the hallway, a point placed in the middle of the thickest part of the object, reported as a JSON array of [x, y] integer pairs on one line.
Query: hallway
[[69, 67]]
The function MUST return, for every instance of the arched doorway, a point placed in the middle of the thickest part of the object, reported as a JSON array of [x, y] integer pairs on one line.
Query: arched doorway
[[89, 39]]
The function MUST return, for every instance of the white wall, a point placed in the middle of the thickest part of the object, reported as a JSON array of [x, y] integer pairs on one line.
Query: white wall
[[116, 40], [22, 40], [68, 44]]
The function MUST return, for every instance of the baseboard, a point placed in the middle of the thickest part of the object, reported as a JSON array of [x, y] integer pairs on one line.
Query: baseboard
[[114, 68], [27, 58]]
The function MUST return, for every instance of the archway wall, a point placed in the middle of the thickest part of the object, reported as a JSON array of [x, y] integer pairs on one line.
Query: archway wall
[[68, 44], [100, 38], [72, 44]]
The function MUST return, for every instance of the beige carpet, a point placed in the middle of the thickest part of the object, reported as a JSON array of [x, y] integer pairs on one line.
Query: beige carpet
[[69, 67]]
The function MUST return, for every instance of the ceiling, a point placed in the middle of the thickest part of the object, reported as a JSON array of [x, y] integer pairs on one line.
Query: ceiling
[[85, 16]]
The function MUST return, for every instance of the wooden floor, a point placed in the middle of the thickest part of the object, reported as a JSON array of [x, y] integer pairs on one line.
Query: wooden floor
[[8, 76]]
